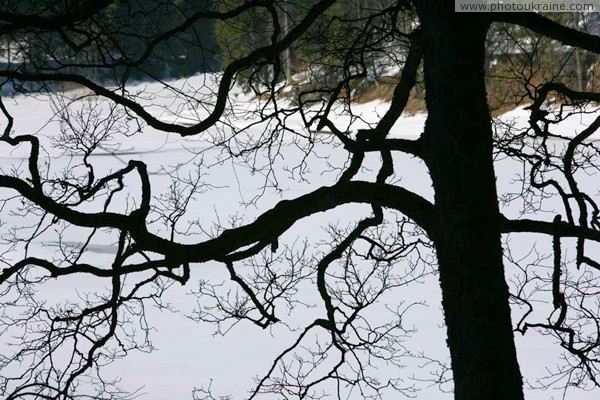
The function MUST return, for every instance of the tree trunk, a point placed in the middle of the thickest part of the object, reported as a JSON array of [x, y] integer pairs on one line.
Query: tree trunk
[[458, 135]]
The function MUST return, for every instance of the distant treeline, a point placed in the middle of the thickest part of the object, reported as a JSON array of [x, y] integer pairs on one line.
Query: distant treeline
[[128, 40], [133, 40]]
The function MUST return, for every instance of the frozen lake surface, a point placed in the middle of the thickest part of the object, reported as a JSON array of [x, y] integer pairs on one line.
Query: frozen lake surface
[[190, 355]]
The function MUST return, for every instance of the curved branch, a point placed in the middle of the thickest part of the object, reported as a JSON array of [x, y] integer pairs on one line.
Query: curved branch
[[336, 253], [266, 228], [546, 88], [544, 26], [82, 268], [267, 52], [558, 229], [270, 225], [402, 90]]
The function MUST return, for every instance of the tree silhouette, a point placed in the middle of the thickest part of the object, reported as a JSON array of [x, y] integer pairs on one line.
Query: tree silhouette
[[58, 351]]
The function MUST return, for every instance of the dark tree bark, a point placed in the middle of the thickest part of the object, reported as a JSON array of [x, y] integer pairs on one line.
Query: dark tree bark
[[459, 138]]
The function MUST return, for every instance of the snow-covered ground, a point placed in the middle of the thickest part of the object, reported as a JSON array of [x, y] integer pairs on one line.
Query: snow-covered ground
[[188, 355]]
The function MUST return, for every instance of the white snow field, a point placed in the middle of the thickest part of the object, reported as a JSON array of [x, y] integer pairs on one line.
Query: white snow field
[[188, 354]]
